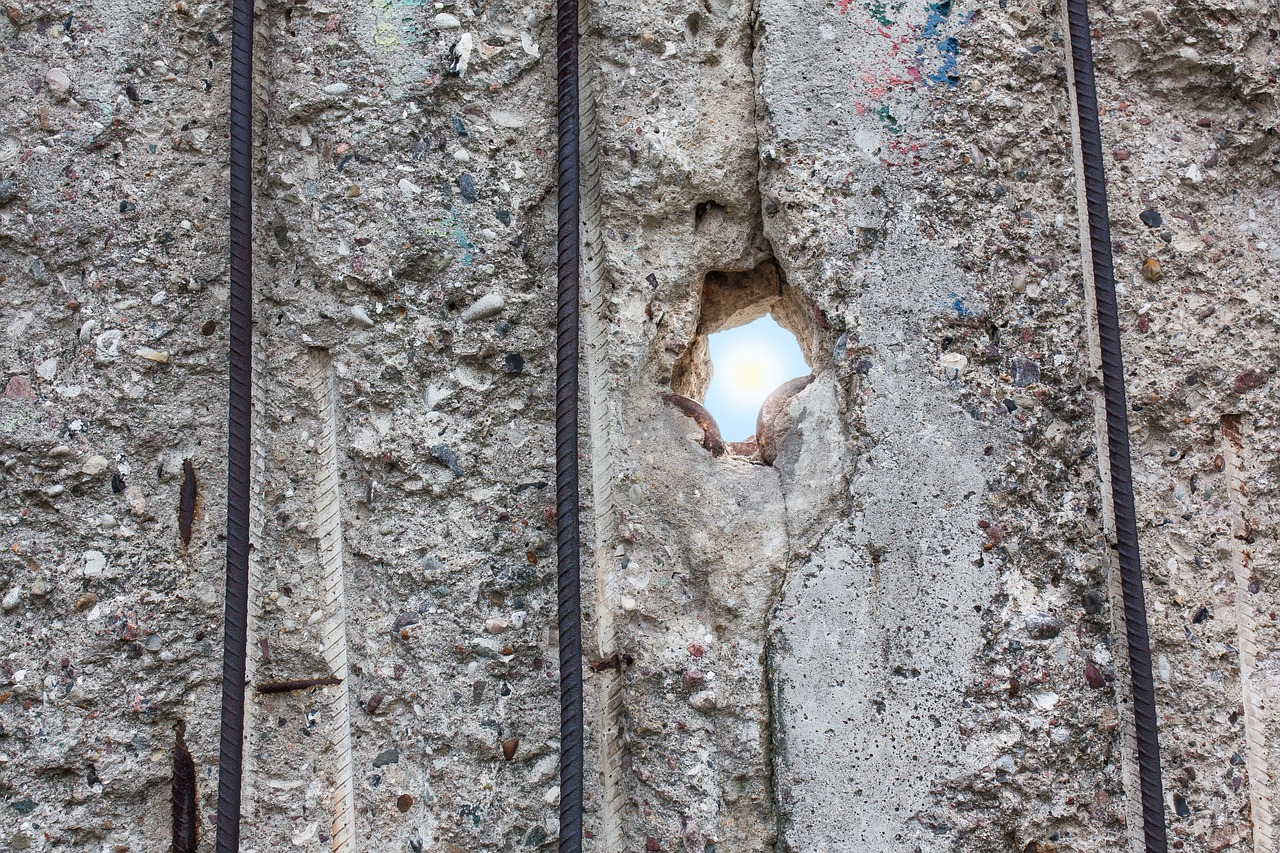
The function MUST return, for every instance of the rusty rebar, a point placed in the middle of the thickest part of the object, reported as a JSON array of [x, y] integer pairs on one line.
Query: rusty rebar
[[236, 619], [1113, 389], [569, 606]]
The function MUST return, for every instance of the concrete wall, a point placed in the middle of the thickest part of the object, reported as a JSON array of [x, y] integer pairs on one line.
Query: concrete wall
[[901, 636]]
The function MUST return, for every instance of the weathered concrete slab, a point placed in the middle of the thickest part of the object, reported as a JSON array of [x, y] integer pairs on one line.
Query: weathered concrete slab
[[900, 635]]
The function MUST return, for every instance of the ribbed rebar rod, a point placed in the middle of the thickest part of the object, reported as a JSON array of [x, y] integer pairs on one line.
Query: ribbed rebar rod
[[569, 611], [235, 626], [1117, 417]]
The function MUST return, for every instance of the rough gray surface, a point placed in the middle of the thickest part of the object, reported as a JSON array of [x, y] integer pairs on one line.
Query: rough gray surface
[[870, 711], [408, 265], [112, 236], [900, 636]]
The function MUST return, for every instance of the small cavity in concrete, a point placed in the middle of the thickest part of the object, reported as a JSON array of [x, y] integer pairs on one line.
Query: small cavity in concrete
[[731, 300]]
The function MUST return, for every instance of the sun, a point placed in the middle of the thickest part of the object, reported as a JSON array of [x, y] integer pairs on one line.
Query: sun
[[748, 375]]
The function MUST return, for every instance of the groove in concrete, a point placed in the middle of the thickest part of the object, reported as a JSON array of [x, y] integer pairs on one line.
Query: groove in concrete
[[257, 513], [601, 428], [1257, 758], [254, 717], [328, 528]]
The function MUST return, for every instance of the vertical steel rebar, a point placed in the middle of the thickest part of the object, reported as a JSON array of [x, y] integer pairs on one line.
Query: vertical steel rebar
[[231, 747], [569, 610], [1126, 519]]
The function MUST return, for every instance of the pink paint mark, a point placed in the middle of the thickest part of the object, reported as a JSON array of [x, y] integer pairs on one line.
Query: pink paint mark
[[843, 6]]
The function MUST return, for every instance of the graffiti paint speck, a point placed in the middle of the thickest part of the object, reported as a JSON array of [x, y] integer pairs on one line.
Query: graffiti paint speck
[[958, 305], [888, 119], [879, 11], [938, 12], [948, 62], [949, 70], [918, 51]]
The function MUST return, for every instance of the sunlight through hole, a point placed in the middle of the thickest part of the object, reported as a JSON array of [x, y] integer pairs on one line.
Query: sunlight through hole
[[748, 364]]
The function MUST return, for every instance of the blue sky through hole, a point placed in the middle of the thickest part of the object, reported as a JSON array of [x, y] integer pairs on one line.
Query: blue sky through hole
[[748, 363]]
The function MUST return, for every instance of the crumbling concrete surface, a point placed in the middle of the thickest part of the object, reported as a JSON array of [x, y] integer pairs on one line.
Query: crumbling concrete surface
[[902, 635]]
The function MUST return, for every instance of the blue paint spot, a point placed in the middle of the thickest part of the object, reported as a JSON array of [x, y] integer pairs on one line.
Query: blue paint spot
[[949, 71], [460, 237], [466, 245], [955, 302], [938, 12], [948, 68], [451, 226]]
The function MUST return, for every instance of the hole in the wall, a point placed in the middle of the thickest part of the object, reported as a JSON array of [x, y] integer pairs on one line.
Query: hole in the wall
[[773, 329], [747, 364]]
